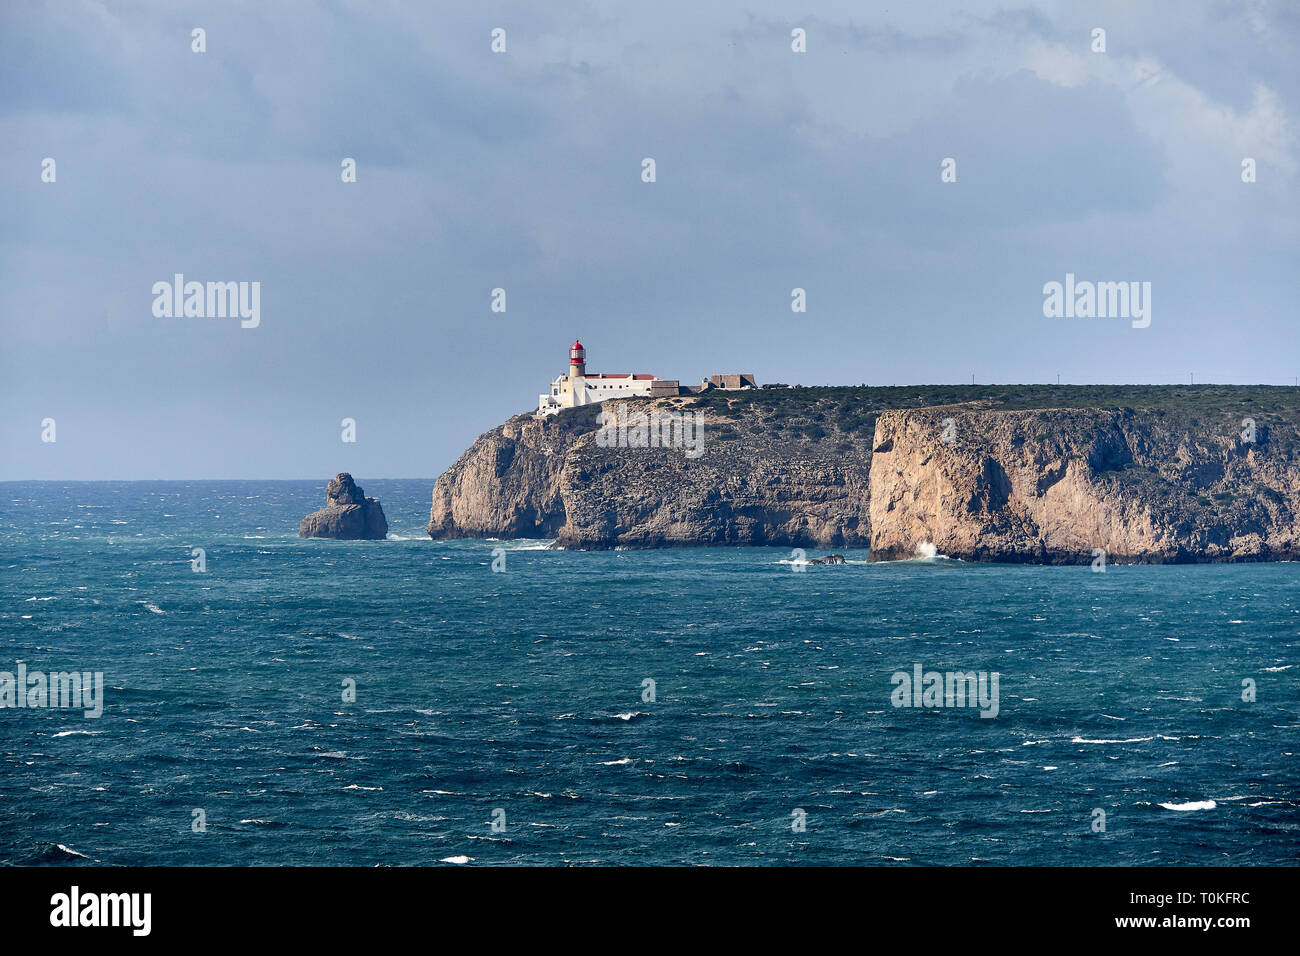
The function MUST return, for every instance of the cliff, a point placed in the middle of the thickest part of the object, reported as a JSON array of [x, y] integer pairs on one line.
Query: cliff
[[1014, 473], [1054, 486], [507, 484], [551, 478]]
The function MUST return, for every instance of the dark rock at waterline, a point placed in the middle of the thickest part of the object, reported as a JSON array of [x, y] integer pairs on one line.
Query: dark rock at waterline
[[829, 559], [348, 514]]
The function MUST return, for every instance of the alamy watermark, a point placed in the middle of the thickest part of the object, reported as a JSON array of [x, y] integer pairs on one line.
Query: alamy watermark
[[61, 690], [1101, 300], [946, 689], [211, 300], [75, 908], [656, 429]]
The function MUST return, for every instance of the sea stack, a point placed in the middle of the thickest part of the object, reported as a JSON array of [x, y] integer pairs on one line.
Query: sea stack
[[348, 514]]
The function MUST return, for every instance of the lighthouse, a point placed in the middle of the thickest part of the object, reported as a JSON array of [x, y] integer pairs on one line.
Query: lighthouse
[[580, 387]]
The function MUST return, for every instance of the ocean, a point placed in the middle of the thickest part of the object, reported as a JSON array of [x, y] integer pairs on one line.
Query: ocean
[[508, 717]]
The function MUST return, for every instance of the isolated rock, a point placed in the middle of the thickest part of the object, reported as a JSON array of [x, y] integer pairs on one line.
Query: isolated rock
[[348, 514], [829, 559]]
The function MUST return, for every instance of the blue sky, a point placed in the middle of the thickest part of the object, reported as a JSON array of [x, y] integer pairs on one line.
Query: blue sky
[[522, 170]]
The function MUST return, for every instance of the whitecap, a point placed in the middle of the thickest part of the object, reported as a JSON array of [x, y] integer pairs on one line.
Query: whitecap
[[1193, 805]]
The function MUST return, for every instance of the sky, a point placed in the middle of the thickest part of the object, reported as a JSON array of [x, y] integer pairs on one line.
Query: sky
[[522, 170]]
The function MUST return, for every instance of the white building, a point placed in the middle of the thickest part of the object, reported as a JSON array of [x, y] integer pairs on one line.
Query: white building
[[579, 388]]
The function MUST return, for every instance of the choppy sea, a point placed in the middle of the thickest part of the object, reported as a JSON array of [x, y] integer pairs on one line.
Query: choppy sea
[[521, 698]]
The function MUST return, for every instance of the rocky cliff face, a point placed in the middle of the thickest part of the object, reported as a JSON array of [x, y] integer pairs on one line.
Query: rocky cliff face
[[348, 514], [737, 492], [990, 477], [552, 478], [1054, 486], [507, 484]]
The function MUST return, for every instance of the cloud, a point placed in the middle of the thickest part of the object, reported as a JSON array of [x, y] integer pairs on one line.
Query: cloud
[[522, 170]]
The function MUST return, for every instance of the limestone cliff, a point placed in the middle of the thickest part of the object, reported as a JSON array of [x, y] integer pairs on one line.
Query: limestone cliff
[[507, 484], [551, 478], [1054, 486], [1018, 473]]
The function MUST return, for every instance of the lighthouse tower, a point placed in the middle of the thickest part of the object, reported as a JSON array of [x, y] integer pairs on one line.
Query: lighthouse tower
[[577, 360], [580, 387]]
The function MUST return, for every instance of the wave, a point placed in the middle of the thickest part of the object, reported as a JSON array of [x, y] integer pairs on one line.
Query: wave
[[925, 553], [629, 715], [1128, 740], [1193, 805]]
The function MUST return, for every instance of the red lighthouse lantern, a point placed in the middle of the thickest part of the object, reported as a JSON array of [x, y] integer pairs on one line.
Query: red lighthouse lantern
[[577, 359]]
